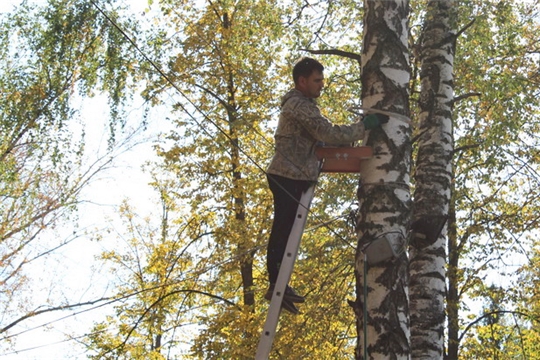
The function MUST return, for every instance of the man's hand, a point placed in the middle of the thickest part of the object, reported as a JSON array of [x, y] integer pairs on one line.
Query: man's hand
[[372, 121]]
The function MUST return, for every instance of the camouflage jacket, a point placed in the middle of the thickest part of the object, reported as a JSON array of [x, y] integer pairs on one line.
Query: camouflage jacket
[[300, 128]]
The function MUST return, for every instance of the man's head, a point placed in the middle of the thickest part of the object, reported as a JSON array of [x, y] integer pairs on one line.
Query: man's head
[[308, 77]]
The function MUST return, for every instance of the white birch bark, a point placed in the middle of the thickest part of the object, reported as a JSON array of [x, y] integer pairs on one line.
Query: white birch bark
[[433, 176], [384, 193]]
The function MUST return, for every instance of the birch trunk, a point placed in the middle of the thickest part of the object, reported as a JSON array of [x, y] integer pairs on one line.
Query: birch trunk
[[433, 176], [384, 194]]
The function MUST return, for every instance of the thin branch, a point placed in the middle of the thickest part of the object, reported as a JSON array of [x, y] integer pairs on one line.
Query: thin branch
[[342, 53], [463, 29], [155, 303], [465, 96], [476, 321], [467, 147], [51, 309]]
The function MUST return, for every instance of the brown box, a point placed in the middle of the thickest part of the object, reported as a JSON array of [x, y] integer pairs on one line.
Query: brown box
[[343, 159]]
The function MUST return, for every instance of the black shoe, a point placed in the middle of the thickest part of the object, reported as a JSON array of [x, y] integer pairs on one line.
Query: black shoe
[[290, 294], [289, 306], [293, 296]]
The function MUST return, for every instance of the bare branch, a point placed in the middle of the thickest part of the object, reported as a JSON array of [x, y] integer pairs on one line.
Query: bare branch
[[462, 30], [51, 309], [337, 52], [465, 96]]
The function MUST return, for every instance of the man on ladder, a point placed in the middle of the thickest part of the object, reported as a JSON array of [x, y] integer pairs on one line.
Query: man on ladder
[[294, 169]]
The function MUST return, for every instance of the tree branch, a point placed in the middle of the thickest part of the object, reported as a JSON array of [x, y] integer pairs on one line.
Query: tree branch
[[476, 321], [463, 29], [51, 309], [465, 96], [337, 52], [155, 303], [467, 147]]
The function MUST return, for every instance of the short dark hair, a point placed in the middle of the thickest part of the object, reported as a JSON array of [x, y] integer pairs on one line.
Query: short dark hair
[[305, 67]]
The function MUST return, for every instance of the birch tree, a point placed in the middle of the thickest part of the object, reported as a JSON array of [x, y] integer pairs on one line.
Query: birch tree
[[464, 230], [433, 181], [49, 56], [384, 194]]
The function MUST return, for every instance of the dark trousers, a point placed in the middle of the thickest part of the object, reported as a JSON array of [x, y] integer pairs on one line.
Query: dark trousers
[[287, 193]]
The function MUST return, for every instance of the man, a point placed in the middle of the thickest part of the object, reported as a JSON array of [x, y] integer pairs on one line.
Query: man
[[294, 167]]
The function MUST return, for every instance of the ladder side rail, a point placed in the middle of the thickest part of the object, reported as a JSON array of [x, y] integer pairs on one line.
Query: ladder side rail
[[285, 271]]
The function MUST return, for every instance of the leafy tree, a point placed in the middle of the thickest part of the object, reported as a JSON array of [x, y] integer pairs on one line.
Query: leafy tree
[[226, 91], [501, 334], [49, 55], [525, 289], [495, 165], [222, 84], [158, 269]]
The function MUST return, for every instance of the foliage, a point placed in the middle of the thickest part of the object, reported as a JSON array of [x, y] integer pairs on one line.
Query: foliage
[[225, 101], [157, 270], [503, 334], [50, 55], [496, 163]]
